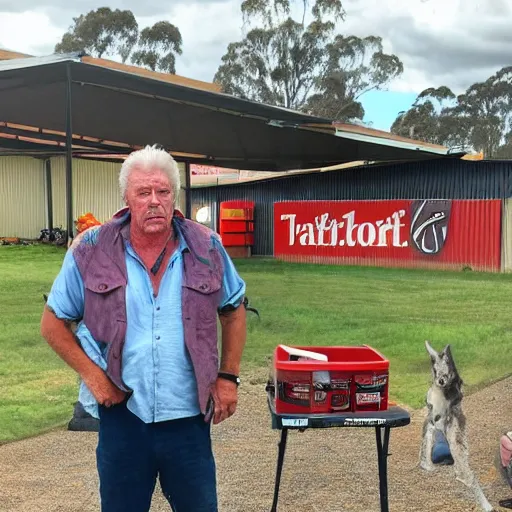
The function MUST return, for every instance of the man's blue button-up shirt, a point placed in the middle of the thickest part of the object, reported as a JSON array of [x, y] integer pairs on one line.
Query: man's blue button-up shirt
[[156, 363]]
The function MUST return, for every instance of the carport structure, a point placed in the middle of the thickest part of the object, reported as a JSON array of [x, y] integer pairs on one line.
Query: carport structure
[[79, 105]]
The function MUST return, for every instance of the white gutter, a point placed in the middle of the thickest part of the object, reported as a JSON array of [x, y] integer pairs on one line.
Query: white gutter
[[28, 62], [414, 146]]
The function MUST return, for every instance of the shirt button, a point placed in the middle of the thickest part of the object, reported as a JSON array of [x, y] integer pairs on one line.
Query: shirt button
[[158, 308], [157, 337]]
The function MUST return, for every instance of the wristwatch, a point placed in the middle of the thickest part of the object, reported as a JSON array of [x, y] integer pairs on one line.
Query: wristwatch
[[230, 377]]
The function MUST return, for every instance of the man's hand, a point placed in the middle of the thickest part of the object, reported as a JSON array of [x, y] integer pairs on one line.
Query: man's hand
[[103, 389], [225, 400]]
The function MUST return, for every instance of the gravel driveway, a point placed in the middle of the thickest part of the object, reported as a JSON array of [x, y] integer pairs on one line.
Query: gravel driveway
[[331, 470]]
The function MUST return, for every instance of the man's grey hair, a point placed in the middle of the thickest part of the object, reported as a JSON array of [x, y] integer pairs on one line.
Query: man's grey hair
[[148, 159]]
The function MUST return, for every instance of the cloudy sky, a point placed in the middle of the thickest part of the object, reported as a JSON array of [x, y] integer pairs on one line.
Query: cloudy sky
[[440, 42]]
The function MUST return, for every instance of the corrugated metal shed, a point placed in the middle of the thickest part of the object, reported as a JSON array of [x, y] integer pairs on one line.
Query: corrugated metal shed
[[438, 179], [24, 208], [22, 204], [95, 189]]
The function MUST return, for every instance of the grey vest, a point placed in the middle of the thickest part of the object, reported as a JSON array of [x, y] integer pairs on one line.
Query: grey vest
[[102, 266]]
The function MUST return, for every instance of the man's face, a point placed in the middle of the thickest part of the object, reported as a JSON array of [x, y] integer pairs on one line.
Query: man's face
[[150, 198]]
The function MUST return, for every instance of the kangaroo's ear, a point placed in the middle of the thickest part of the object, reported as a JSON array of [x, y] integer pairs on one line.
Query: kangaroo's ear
[[433, 354], [447, 353]]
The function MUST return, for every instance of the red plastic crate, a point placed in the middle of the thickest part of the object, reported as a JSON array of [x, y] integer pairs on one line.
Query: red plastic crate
[[236, 225], [229, 226], [353, 379], [237, 239]]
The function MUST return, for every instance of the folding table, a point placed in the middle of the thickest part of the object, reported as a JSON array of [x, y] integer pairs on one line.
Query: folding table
[[381, 421]]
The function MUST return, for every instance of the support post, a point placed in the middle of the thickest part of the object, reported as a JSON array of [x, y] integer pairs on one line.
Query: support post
[[69, 158], [188, 202], [49, 195], [216, 226]]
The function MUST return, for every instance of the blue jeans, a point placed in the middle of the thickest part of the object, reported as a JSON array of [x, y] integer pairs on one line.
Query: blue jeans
[[132, 454]]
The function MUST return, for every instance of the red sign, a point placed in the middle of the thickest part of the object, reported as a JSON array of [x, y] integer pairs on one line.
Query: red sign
[[431, 233]]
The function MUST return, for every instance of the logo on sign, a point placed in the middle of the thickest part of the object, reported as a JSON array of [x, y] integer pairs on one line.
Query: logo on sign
[[429, 225], [367, 398], [347, 232]]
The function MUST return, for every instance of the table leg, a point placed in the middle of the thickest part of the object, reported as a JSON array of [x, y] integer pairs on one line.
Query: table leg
[[382, 454], [280, 461]]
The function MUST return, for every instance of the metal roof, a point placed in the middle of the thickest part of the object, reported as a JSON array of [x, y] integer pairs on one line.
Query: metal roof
[[133, 107]]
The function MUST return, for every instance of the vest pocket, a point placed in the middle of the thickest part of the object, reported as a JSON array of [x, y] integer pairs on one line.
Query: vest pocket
[[105, 309], [204, 287], [103, 288]]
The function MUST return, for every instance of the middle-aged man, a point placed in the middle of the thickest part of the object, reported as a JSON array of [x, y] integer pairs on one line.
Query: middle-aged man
[[146, 289]]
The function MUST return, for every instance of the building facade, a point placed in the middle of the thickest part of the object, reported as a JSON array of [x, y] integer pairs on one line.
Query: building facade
[[30, 200], [448, 180]]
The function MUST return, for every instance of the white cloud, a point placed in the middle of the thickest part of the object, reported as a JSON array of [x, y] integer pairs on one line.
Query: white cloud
[[26, 32], [206, 29], [441, 42]]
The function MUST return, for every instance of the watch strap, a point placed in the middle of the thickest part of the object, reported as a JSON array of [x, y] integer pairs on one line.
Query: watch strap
[[229, 376]]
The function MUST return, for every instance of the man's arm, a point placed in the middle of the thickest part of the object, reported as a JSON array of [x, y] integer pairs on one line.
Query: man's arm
[[234, 335], [232, 316], [65, 304], [58, 334], [233, 342]]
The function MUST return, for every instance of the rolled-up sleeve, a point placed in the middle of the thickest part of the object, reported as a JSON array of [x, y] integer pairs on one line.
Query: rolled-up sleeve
[[66, 297], [233, 286]]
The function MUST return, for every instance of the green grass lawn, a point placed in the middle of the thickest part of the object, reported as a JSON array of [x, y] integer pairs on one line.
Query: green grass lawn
[[37, 390], [393, 310]]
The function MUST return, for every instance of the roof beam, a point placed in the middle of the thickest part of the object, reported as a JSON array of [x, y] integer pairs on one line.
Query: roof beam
[[55, 137]]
